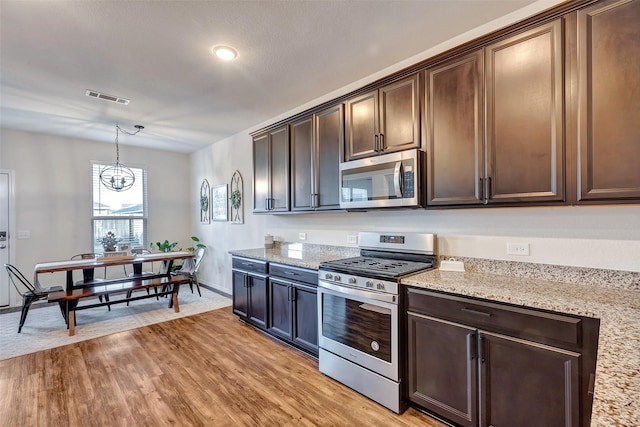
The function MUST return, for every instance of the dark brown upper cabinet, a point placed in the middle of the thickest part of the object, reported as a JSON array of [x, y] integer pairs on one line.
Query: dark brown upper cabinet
[[316, 144], [455, 131], [524, 117], [512, 150], [271, 170], [608, 101], [384, 120]]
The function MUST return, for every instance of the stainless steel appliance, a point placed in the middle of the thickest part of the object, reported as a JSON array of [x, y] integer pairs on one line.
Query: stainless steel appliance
[[358, 312], [389, 180]]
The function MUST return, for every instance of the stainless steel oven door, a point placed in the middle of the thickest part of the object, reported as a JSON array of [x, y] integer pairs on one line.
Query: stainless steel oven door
[[359, 326]]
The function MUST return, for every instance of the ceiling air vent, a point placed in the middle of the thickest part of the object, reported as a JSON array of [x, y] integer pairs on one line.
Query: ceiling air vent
[[96, 94]]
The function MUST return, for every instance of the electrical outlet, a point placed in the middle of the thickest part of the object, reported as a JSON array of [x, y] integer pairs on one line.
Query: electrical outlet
[[352, 239], [24, 234], [302, 236], [521, 249]]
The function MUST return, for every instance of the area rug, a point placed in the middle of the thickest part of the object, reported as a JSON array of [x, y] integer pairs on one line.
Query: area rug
[[45, 327]]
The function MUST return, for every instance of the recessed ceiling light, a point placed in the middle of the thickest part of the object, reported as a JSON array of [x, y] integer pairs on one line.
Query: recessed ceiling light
[[226, 53]]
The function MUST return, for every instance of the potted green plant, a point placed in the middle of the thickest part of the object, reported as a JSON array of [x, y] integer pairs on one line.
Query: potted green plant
[[197, 244], [164, 246], [109, 241]]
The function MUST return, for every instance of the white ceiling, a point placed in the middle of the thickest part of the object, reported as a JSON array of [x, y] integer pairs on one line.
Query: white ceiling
[[157, 54]]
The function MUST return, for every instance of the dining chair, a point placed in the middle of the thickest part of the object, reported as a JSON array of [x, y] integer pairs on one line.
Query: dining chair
[[190, 269], [141, 251], [30, 293], [88, 274]]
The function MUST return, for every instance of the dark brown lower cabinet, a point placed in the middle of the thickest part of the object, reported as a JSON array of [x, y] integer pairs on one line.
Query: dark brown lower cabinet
[[443, 368], [293, 313], [523, 383], [462, 371], [293, 306], [250, 292]]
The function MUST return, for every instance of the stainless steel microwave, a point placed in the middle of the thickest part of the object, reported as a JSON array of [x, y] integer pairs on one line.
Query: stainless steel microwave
[[389, 180]]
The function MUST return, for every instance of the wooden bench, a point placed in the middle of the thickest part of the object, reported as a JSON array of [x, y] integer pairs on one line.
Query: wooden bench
[[169, 285]]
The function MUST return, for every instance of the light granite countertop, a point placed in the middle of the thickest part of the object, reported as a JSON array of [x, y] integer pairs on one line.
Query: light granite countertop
[[299, 254], [611, 296], [617, 388]]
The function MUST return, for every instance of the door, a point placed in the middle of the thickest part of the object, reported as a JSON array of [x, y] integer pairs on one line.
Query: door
[[261, 173], [5, 204], [443, 368], [609, 101], [329, 133], [305, 317], [524, 117], [400, 115], [455, 134], [302, 164], [240, 293], [526, 384], [280, 316], [362, 126], [258, 300], [279, 169]]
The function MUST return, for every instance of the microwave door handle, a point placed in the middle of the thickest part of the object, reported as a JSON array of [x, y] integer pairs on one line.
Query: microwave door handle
[[397, 180]]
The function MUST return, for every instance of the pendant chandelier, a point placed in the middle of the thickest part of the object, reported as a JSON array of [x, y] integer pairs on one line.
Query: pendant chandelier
[[116, 176]]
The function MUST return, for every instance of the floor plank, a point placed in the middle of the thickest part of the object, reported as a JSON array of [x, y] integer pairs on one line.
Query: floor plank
[[205, 370]]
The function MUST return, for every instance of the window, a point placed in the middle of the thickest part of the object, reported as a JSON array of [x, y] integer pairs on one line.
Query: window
[[123, 213]]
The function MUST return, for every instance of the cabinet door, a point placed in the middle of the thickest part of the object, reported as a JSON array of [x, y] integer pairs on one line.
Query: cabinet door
[[362, 126], [527, 384], [305, 317], [240, 301], [258, 307], [400, 115], [280, 315], [524, 99], [455, 131], [261, 173], [609, 100], [443, 368], [279, 169], [302, 164], [329, 136]]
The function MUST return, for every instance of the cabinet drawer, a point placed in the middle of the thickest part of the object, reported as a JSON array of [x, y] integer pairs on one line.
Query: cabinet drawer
[[250, 265], [294, 273], [538, 326]]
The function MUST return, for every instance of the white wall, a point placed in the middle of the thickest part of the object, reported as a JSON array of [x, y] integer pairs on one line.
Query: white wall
[[592, 236], [53, 198]]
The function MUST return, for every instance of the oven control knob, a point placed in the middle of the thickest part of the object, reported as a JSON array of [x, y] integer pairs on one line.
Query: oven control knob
[[380, 286], [337, 278], [369, 284], [328, 276], [352, 280]]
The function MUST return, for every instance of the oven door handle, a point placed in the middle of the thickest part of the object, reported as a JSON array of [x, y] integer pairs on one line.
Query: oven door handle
[[390, 298]]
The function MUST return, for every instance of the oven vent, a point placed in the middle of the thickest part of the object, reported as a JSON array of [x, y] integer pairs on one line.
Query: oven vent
[[99, 95]]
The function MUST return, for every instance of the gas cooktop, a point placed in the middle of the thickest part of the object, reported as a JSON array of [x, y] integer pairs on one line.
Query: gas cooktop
[[372, 266]]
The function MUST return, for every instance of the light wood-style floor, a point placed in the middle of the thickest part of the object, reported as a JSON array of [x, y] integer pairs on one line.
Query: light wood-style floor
[[205, 370]]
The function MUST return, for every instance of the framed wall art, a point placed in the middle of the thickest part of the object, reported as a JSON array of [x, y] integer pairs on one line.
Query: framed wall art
[[219, 211], [236, 199], [204, 202]]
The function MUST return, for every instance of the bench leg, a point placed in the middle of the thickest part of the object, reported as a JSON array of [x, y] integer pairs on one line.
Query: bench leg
[[72, 322], [175, 301]]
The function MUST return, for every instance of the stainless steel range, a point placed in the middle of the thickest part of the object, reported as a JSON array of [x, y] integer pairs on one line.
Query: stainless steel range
[[358, 312]]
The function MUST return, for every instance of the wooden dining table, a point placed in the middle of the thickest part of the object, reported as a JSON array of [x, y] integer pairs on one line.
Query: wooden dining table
[[68, 266]]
